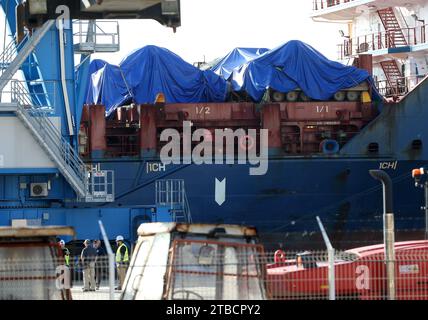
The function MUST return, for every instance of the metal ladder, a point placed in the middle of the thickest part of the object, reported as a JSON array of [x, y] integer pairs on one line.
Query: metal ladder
[[392, 27], [395, 80], [172, 193]]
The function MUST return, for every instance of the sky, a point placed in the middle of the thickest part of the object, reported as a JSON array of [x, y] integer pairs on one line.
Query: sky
[[211, 28]]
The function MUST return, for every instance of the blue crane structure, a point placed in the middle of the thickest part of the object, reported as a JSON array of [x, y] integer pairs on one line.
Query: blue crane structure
[[42, 178]]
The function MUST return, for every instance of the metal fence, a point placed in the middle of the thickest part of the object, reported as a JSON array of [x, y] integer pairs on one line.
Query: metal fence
[[357, 277], [382, 40], [51, 279], [324, 4], [29, 280], [281, 276], [37, 94], [248, 275], [96, 286]]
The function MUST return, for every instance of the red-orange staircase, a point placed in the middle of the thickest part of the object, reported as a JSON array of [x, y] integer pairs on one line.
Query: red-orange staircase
[[394, 77], [392, 27]]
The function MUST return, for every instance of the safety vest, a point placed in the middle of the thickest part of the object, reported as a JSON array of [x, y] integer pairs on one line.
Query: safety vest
[[67, 257], [119, 256]]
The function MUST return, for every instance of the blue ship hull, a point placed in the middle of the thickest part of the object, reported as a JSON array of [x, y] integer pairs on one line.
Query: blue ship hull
[[288, 198], [283, 204]]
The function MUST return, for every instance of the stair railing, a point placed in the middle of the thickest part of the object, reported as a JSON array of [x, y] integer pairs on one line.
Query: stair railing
[[10, 52], [59, 148], [172, 193]]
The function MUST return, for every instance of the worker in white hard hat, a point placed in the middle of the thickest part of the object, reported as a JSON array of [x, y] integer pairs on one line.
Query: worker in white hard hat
[[65, 252], [67, 274], [122, 260]]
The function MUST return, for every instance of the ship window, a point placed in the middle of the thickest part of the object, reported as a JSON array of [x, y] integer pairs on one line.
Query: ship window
[[373, 147], [417, 144]]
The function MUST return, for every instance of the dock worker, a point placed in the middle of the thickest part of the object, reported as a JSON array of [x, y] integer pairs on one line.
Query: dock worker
[[87, 258], [65, 252], [100, 262], [66, 255], [122, 260]]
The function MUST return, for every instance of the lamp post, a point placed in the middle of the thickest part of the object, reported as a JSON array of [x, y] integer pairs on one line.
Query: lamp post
[[388, 229]]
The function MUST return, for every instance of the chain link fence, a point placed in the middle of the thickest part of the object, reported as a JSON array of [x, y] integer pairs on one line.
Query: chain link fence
[[230, 275], [51, 279], [33, 279], [358, 275]]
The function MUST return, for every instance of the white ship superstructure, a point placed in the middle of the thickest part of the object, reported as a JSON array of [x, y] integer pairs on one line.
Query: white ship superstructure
[[394, 31]]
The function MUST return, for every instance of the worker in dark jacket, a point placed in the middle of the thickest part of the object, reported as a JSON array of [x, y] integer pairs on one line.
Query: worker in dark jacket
[[100, 262], [87, 258], [122, 260]]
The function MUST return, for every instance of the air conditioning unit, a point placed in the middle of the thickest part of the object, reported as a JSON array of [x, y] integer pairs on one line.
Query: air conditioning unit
[[39, 189]]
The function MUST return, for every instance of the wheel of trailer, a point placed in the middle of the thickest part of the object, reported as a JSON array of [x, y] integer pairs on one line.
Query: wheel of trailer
[[278, 96], [340, 96], [352, 95], [304, 97], [292, 96]]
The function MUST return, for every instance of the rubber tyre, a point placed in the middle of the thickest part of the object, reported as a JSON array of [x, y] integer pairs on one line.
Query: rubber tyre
[[353, 96], [292, 96], [340, 96], [278, 96]]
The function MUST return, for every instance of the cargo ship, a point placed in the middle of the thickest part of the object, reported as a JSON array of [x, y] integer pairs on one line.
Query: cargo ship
[[71, 162]]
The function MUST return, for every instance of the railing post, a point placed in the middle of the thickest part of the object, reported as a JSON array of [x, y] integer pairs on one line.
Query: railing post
[[80, 31], [388, 220], [331, 271], [426, 209], [379, 40], [110, 259], [94, 25]]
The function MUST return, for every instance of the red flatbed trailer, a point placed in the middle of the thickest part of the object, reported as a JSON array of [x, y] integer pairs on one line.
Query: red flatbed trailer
[[359, 274]]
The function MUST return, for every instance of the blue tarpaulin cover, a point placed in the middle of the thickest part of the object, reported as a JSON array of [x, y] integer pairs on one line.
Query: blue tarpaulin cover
[[235, 59], [96, 65], [151, 70], [296, 65], [108, 87]]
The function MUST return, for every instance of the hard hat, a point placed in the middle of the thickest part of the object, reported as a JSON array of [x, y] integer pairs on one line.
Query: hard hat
[[119, 238], [62, 242]]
